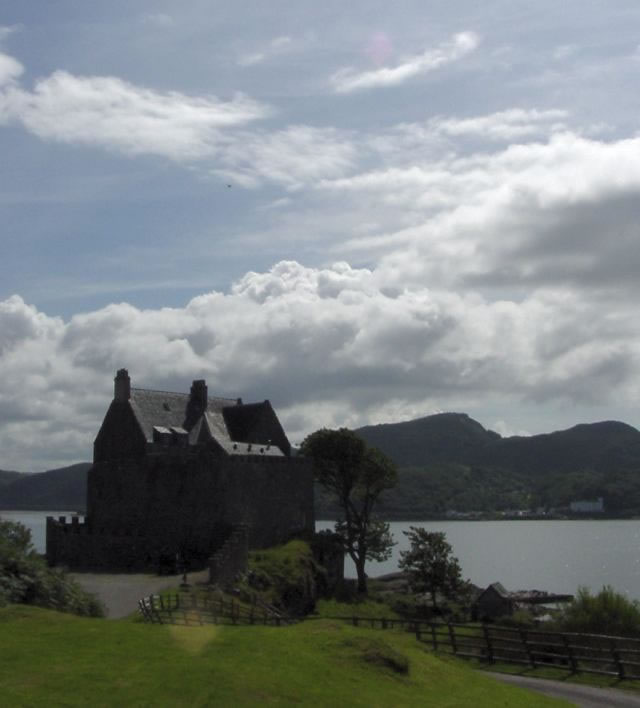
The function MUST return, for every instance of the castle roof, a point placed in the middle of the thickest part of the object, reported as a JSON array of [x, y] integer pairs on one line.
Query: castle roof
[[169, 409], [195, 417]]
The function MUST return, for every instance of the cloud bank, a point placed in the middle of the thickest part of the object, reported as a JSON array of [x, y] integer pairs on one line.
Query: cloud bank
[[328, 346]]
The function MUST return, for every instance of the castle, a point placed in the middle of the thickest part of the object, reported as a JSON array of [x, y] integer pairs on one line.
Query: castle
[[176, 475]]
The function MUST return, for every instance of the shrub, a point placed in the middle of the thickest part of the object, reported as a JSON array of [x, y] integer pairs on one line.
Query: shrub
[[25, 577], [608, 612]]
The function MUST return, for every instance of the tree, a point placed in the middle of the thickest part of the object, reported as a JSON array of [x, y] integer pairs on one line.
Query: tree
[[356, 476], [608, 612], [430, 565]]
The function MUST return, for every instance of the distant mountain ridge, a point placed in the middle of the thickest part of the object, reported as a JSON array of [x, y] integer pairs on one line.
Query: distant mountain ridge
[[62, 488], [443, 437], [446, 461], [455, 437], [450, 461]]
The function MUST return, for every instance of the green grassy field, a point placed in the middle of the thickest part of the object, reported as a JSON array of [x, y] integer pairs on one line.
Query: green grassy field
[[52, 659]]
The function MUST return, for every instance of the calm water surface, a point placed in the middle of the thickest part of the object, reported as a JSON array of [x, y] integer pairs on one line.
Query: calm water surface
[[558, 556], [546, 555]]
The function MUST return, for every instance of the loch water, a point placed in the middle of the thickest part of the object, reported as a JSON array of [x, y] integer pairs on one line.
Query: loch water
[[36, 521], [558, 556]]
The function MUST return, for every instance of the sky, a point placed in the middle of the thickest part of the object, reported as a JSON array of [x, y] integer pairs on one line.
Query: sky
[[364, 212]]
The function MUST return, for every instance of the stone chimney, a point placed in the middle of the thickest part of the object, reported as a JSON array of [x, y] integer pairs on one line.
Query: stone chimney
[[122, 386], [199, 395]]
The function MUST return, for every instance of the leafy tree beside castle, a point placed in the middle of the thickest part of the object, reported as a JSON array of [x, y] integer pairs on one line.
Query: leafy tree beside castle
[[356, 476], [431, 567]]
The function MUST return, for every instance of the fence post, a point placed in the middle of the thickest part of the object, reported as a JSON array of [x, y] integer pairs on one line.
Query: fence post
[[452, 636], [434, 636], [570, 654], [617, 660], [487, 639], [527, 648]]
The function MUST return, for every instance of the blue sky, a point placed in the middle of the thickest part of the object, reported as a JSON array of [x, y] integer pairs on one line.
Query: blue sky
[[364, 213]]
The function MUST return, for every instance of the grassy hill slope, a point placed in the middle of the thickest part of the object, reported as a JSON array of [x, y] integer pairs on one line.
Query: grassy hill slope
[[49, 659]]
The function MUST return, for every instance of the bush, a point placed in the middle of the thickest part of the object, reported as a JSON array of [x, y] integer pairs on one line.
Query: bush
[[608, 612], [25, 577], [284, 576]]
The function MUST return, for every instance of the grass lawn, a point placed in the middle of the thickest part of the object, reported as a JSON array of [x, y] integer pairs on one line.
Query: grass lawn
[[52, 659]]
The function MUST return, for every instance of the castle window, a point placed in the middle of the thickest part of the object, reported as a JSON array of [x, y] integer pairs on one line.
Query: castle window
[[166, 406], [161, 435]]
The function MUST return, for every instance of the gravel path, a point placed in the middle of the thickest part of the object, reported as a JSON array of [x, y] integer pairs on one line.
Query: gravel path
[[120, 592], [578, 694]]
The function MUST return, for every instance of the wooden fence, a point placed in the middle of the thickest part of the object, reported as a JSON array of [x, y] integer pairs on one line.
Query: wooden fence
[[576, 653], [201, 609]]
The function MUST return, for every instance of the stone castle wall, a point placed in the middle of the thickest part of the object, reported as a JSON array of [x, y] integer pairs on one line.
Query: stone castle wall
[[143, 512]]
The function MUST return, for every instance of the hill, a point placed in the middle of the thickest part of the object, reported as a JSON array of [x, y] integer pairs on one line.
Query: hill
[[49, 658], [446, 461], [6, 477], [62, 488], [450, 461], [444, 437]]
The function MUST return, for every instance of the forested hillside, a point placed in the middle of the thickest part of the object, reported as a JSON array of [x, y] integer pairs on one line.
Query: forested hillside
[[450, 462]]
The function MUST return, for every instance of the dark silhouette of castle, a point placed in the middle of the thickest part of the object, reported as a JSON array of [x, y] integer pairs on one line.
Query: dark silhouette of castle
[[174, 474]]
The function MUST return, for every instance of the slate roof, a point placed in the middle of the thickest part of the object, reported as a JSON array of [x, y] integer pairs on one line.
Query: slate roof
[[237, 428], [500, 589]]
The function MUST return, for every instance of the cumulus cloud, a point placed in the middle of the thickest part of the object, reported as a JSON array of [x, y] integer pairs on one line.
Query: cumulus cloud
[[328, 346], [349, 79], [554, 212], [115, 114]]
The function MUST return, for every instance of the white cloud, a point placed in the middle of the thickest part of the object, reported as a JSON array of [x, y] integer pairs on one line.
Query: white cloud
[[560, 211], [276, 46], [10, 70], [328, 346], [158, 19], [348, 79], [297, 155], [512, 124], [114, 114], [7, 30], [564, 51]]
